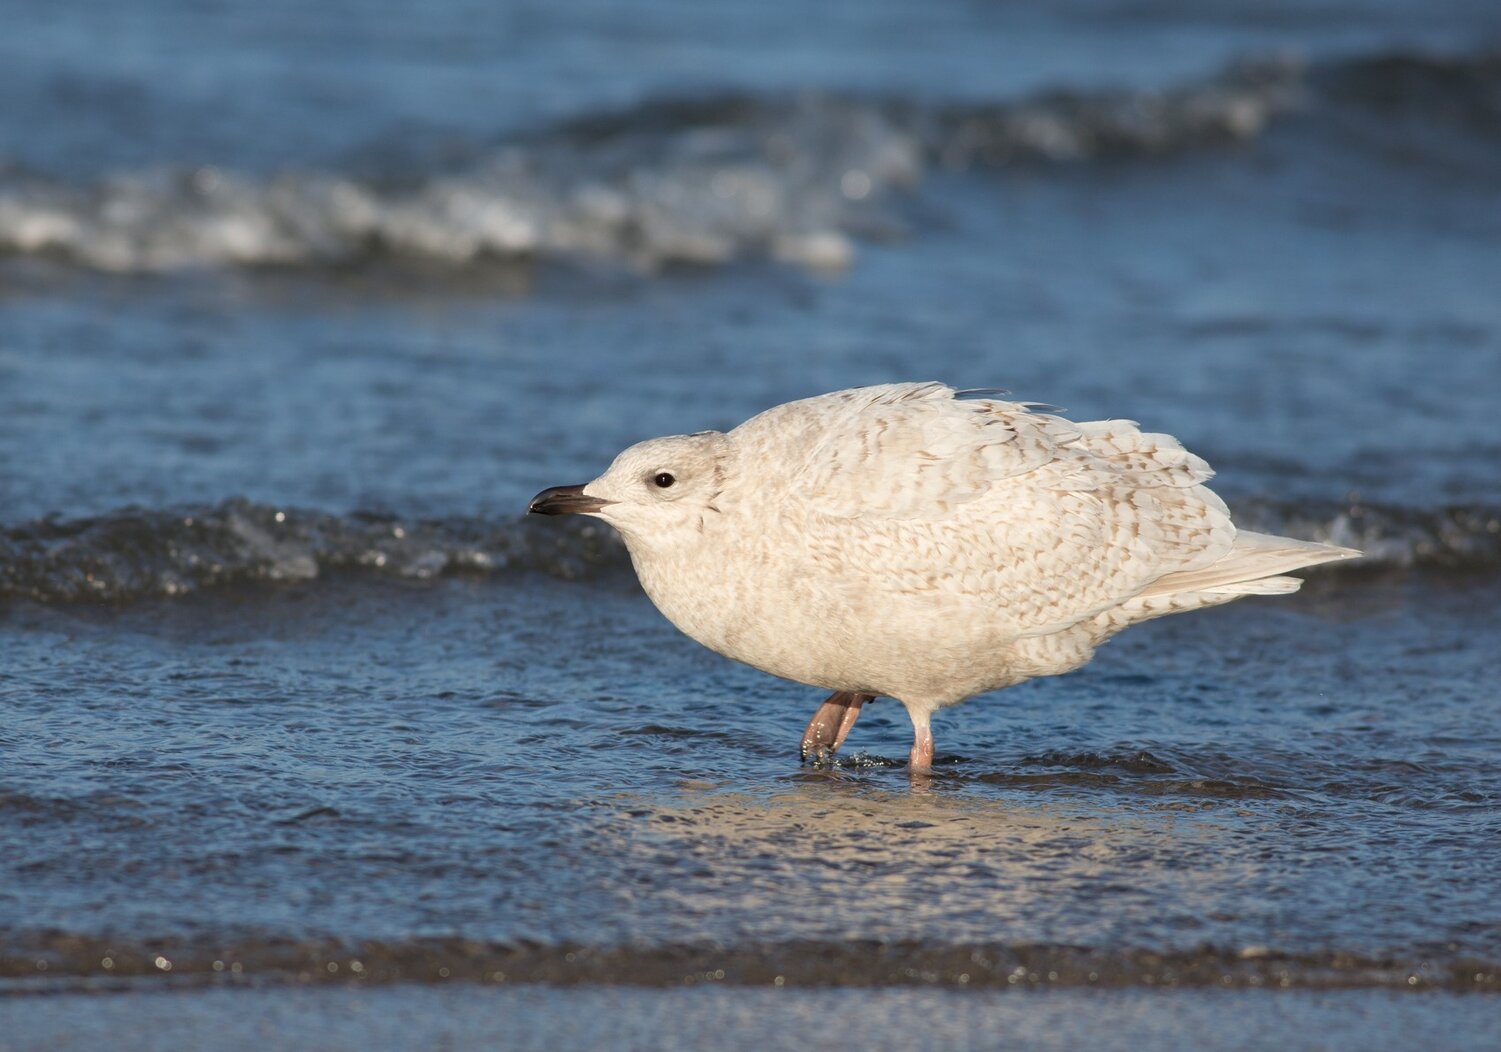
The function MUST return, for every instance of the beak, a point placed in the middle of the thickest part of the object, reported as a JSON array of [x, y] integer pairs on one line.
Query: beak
[[566, 500]]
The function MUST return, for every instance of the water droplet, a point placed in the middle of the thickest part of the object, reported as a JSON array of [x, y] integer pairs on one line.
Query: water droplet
[[855, 184]]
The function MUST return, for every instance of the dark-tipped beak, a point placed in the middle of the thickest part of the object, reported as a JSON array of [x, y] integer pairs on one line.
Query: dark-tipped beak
[[565, 500]]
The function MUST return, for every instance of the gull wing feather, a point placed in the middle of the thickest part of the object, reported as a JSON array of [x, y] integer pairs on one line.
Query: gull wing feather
[[950, 451], [1048, 521]]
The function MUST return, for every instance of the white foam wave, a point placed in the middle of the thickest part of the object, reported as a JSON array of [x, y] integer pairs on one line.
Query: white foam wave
[[669, 182]]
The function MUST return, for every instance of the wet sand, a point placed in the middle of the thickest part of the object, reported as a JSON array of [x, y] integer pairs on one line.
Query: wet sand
[[540, 1017]]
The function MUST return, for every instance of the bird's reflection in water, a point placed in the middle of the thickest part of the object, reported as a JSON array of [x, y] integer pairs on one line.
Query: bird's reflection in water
[[831, 856]]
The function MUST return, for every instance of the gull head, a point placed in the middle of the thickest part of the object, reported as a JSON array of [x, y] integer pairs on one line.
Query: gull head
[[655, 492]]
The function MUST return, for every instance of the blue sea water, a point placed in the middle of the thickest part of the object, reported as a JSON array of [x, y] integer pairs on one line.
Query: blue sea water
[[299, 305]]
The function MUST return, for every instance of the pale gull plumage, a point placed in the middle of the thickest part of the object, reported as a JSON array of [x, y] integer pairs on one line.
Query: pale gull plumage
[[906, 541]]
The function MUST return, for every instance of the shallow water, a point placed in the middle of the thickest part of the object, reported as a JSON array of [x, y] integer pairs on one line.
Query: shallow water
[[539, 761], [288, 682]]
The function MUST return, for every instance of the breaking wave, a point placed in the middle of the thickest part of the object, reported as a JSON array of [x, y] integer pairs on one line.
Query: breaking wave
[[797, 178], [138, 553]]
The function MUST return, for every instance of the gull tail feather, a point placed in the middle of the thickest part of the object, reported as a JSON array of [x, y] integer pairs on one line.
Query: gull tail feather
[[1253, 566]]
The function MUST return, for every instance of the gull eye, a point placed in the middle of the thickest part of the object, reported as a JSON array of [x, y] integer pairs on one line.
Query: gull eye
[[663, 479]]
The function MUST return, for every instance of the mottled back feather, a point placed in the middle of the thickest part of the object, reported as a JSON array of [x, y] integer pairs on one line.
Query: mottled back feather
[[1051, 522]]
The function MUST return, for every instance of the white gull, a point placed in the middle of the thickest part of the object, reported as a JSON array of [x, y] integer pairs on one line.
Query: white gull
[[909, 542]]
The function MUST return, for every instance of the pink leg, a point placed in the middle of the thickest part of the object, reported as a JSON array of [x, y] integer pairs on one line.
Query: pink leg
[[851, 714], [921, 757], [830, 724]]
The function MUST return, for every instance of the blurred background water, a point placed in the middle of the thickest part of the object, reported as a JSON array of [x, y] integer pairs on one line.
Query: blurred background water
[[299, 304]]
